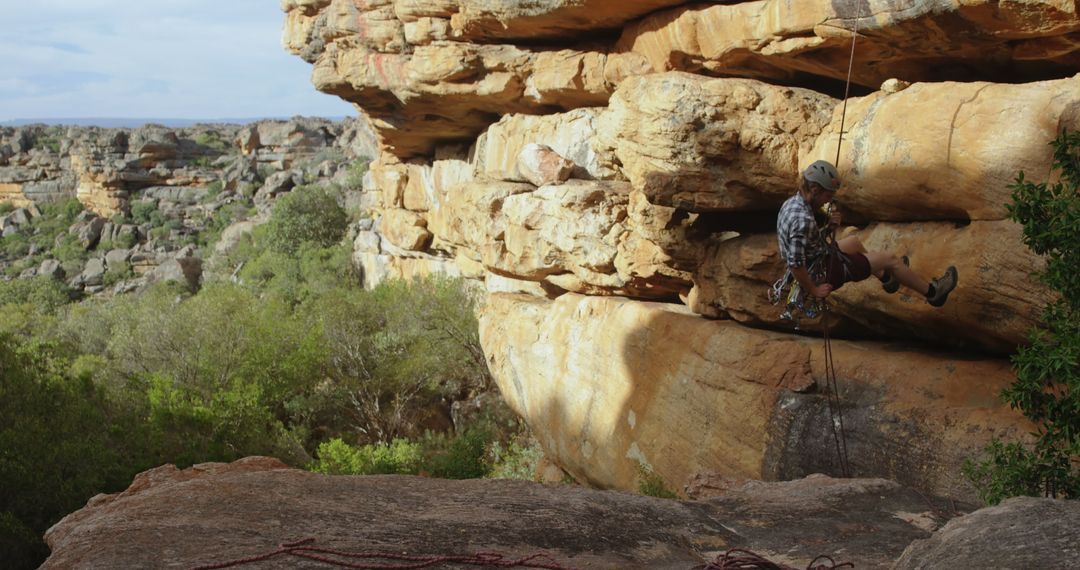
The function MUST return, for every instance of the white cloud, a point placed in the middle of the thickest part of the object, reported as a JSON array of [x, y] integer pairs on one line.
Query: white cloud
[[165, 58]]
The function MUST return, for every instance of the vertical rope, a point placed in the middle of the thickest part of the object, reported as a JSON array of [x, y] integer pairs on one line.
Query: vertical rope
[[847, 85], [836, 412]]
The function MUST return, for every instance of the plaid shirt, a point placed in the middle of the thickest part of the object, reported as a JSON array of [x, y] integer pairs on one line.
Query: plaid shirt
[[801, 242]]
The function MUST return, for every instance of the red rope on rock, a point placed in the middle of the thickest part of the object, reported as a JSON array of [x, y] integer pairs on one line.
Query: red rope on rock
[[301, 549], [739, 559]]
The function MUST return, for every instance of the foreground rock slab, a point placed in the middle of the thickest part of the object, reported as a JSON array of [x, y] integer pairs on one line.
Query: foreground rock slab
[[1023, 532], [214, 513]]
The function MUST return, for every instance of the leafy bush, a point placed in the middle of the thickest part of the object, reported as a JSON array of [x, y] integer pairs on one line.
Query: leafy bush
[[142, 212], [1047, 386], [43, 293], [399, 348], [59, 447], [212, 140], [652, 484], [213, 190], [307, 214], [335, 457], [6, 208], [117, 274], [354, 176], [515, 460], [463, 456]]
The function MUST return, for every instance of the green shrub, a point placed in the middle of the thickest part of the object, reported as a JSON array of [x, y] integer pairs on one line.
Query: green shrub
[[126, 241], [515, 460], [6, 208], [306, 214], [69, 249], [652, 484], [59, 447], [335, 457], [141, 212], [1047, 385], [212, 140], [354, 176], [16, 245], [213, 190], [117, 274], [43, 293], [462, 456]]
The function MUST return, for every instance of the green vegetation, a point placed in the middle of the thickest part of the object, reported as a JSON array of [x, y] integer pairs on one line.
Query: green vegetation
[[293, 360], [6, 207], [212, 139], [354, 178], [651, 484], [1047, 387], [46, 234], [308, 214]]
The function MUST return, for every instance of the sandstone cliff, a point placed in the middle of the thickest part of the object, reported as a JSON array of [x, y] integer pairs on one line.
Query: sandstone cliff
[[683, 127]]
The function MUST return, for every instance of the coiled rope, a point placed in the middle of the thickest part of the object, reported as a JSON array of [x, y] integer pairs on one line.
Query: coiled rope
[[739, 559], [344, 559]]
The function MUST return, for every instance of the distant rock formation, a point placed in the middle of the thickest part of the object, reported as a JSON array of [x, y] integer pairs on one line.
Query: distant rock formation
[[184, 177], [687, 125]]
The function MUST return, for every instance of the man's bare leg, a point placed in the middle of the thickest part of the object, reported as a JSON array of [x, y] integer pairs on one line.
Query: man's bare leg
[[881, 261]]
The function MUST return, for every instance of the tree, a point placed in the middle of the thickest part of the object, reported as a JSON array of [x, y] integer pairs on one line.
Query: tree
[[307, 214], [1047, 385]]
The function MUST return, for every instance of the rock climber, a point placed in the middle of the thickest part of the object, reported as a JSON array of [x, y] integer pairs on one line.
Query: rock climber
[[817, 266]]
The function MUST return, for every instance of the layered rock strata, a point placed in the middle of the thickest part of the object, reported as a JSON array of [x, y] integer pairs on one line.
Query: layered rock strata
[[446, 71], [687, 125]]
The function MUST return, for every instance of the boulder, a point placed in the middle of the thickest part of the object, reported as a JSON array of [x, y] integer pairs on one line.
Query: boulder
[[611, 386], [710, 145], [231, 236], [278, 183], [405, 229], [14, 194], [92, 275], [946, 151], [570, 135], [52, 268], [215, 513], [184, 270], [88, 232], [541, 166], [1023, 532], [117, 258]]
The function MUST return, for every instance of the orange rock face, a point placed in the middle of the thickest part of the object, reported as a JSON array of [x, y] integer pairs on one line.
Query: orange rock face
[[687, 124]]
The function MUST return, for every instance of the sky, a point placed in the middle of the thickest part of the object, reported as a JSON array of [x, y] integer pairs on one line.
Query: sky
[[183, 59]]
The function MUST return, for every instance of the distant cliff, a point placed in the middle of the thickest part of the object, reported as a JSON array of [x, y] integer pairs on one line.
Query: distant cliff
[[151, 196], [611, 171]]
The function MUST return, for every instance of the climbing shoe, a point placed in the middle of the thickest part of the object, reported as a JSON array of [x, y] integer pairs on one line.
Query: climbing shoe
[[941, 287], [889, 282]]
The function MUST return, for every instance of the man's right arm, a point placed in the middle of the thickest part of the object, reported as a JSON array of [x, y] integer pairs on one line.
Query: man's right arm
[[807, 283]]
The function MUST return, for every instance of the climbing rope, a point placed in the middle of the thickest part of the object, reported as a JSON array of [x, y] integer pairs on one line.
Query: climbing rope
[[739, 559], [847, 85], [832, 394], [836, 412], [333, 557]]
